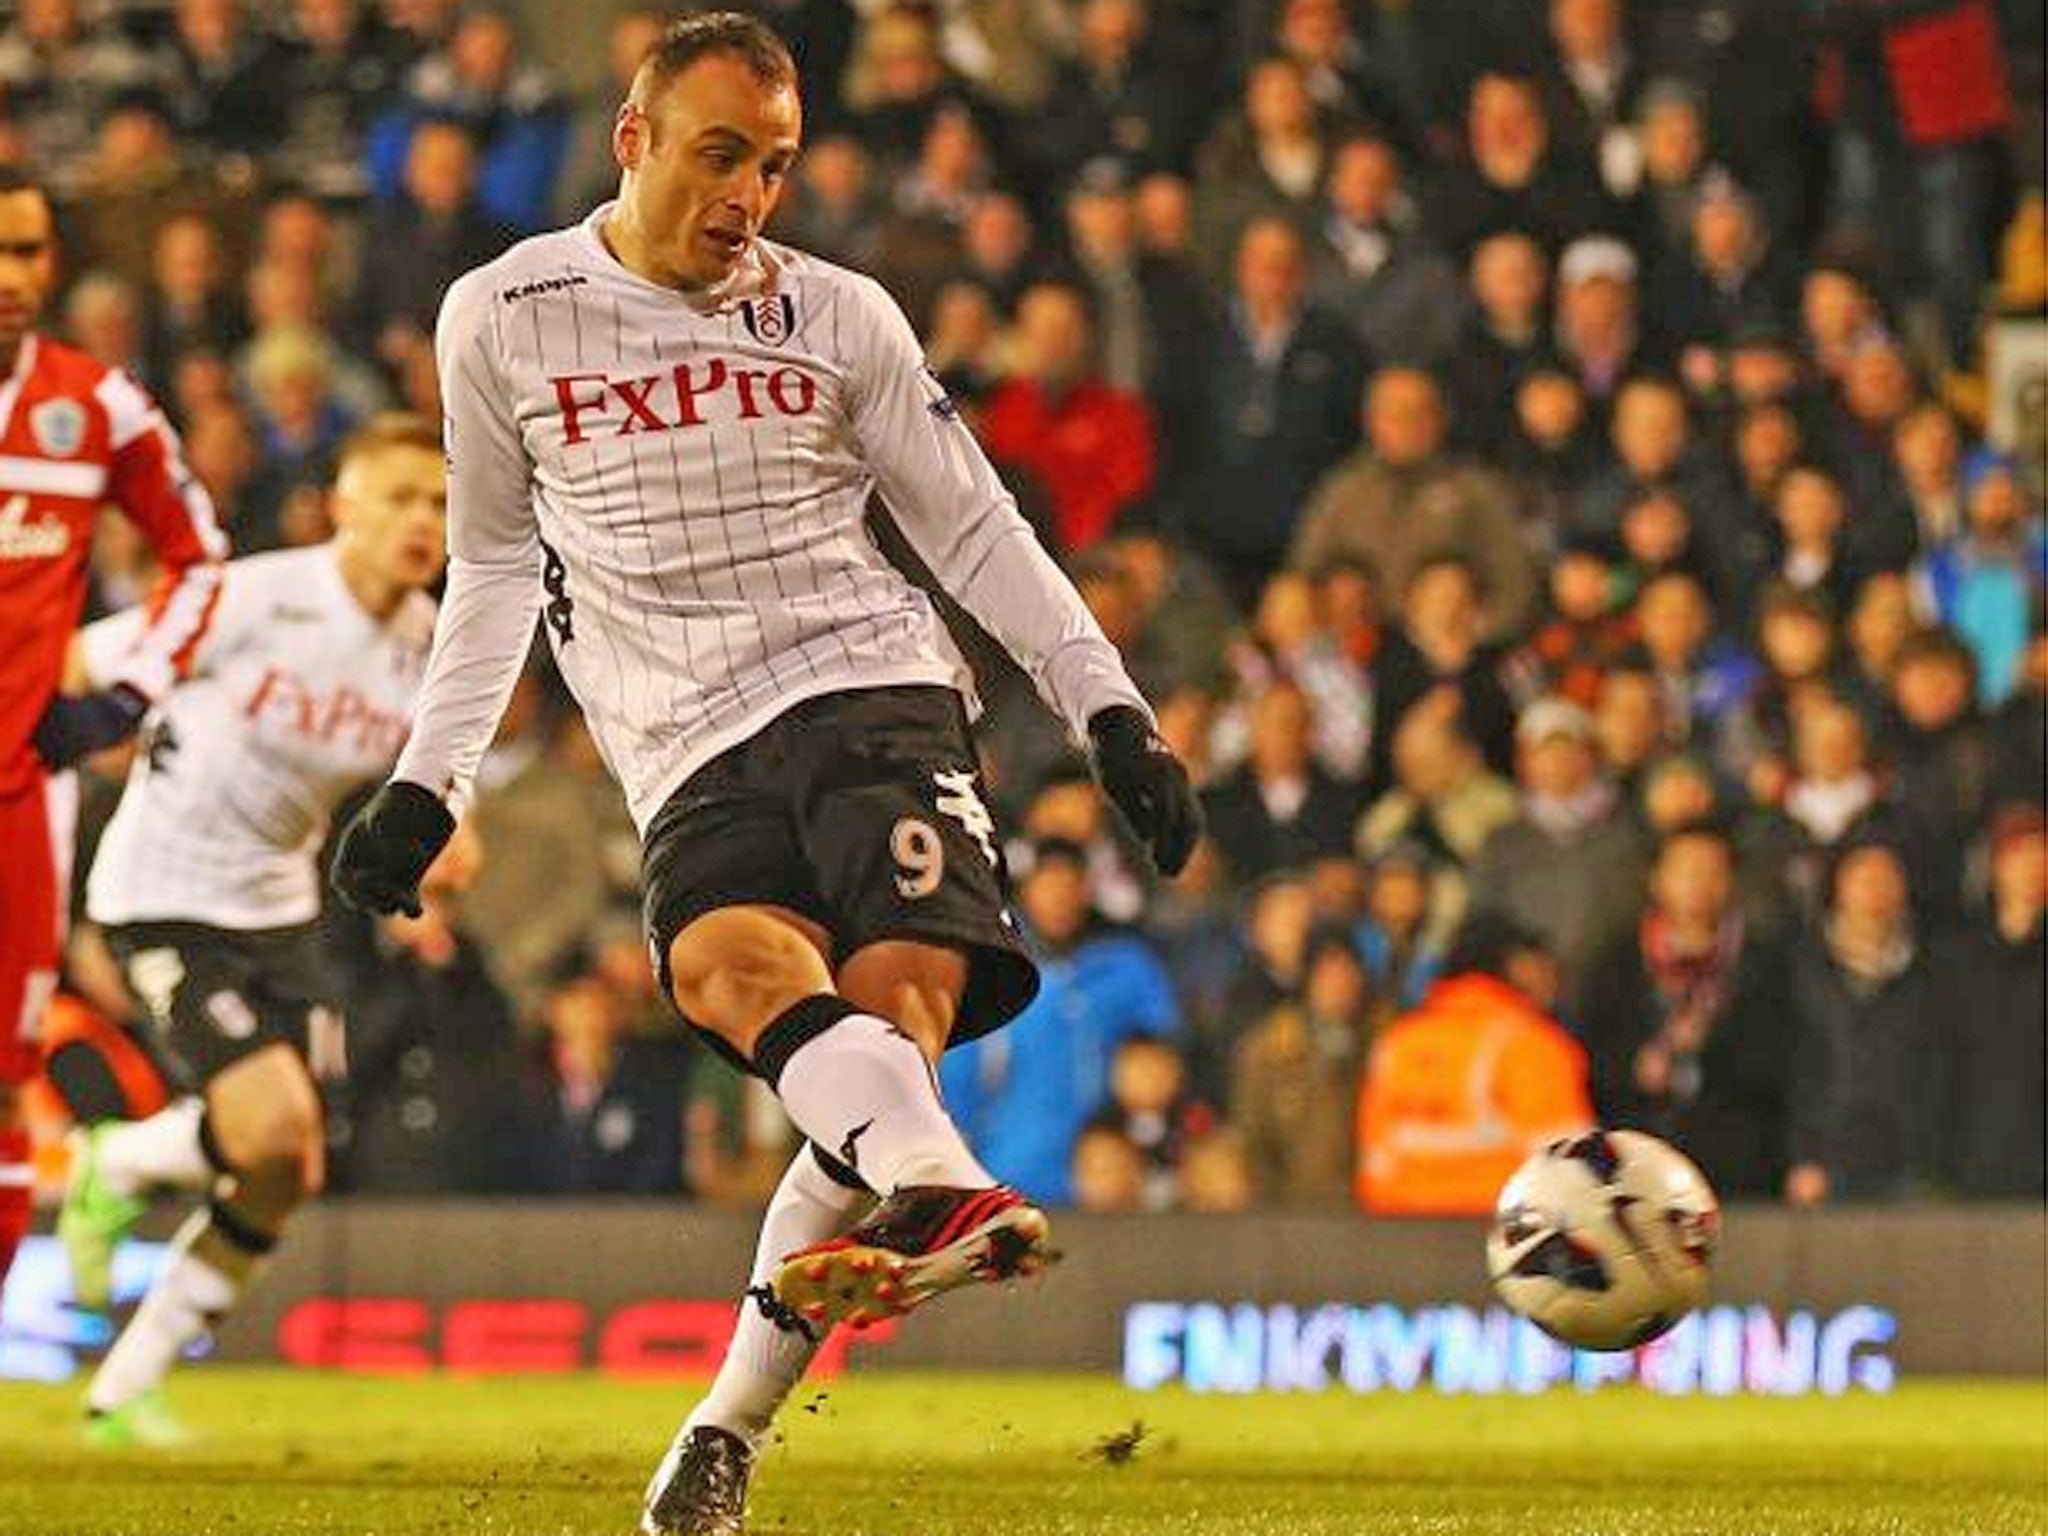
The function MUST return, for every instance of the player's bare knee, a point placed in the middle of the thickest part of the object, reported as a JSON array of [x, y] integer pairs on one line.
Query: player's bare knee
[[733, 971], [272, 1150], [264, 1116], [915, 986], [271, 1141], [924, 1013]]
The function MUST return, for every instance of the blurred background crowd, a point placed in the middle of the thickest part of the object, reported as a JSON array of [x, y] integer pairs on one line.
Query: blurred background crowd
[[1569, 473]]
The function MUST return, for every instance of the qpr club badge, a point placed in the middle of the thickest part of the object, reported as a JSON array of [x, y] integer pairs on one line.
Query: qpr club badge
[[59, 427], [769, 320]]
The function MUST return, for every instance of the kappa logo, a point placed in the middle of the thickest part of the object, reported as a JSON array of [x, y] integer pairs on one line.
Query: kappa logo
[[849, 1149], [941, 403], [541, 285], [959, 799], [59, 427], [770, 320]]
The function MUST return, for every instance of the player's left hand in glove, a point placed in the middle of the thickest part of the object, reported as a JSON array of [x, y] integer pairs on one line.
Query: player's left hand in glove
[[384, 852], [76, 725], [1147, 783]]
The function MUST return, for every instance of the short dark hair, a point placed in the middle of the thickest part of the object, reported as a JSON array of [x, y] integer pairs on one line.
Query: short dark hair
[[1679, 574], [1487, 943], [1663, 383], [1780, 598], [1937, 644], [752, 41], [1048, 851], [14, 178], [1368, 138], [1711, 828]]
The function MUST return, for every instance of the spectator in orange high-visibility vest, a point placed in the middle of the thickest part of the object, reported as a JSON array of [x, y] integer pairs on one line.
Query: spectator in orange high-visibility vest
[[1460, 1090]]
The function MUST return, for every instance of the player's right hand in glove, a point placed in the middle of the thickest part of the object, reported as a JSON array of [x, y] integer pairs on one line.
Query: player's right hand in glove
[[386, 849], [76, 725], [1147, 783]]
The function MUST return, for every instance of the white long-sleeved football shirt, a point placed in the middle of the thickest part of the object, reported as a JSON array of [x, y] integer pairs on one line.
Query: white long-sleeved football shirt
[[296, 695], [675, 484]]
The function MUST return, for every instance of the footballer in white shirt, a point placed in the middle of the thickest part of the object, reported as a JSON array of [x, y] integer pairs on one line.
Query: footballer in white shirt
[[663, 434], [206, 885]]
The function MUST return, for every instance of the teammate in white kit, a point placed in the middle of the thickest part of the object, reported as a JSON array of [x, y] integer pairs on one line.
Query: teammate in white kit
[[663, 434], [207, 886]]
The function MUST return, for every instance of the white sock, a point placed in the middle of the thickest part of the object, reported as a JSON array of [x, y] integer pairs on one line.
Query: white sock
[[765, 1361], [864, 1092], [188, 1299], [160, 1152]]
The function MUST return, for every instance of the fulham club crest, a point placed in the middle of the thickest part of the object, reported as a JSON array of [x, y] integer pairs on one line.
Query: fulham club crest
[[770, 320], [59, 427]]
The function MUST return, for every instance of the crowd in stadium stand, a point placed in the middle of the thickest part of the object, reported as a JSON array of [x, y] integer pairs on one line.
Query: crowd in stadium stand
[[1534, 454]]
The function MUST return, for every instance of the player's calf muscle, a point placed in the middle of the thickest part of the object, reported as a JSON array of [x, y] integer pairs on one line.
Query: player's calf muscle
[[735, 970]]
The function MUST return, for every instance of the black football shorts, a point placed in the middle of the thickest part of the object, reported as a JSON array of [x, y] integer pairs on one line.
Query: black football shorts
[[862, 811], [216, 995]]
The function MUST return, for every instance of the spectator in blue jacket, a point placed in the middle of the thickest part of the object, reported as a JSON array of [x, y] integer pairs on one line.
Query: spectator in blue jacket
[[419, 244], [1023, 1094], [520, 123], [1990, 582]]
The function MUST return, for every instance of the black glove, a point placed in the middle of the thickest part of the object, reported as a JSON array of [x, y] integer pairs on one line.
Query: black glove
[[1146, 782], [75, 726], [386, 849]]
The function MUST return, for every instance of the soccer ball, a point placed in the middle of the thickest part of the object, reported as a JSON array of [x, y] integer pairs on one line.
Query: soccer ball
[[1606, 1240]]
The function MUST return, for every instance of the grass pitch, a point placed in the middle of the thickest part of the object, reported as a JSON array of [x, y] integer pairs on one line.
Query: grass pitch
[[288, 1454]]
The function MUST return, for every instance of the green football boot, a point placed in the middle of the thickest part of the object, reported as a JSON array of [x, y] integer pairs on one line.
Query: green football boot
[[145, 1422], [94, 1219]]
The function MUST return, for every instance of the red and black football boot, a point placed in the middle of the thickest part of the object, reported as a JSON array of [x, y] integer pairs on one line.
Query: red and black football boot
[[923, 1240]]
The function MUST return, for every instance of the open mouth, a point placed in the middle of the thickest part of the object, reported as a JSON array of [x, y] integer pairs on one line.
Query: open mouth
[[730, 241]]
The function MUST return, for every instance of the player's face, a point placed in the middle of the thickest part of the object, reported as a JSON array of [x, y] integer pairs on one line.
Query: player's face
[[28, 263], [392, 507], [705, 161]]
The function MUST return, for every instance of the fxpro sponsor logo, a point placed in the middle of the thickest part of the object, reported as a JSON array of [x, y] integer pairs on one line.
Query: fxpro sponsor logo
[[343, 717], [689, 395], [1217, 1347]]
